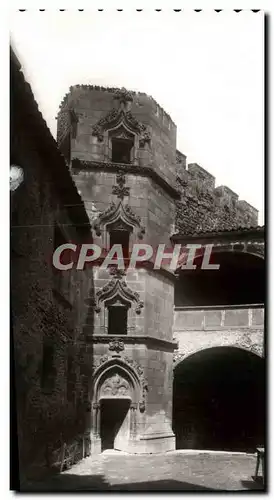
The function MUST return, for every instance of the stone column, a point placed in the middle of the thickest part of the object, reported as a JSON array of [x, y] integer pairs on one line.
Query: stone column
[[133, 420], [97, 419]]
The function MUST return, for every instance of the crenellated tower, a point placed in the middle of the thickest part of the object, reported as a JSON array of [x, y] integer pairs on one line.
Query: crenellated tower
[[121, 148]]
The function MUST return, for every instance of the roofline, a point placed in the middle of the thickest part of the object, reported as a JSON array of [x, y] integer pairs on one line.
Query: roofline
[[242, 233], [41, 133]]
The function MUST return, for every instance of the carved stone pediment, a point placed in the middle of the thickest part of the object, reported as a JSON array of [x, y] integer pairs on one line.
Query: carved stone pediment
[[116, 288], [113, 385], [122, 133], [115, 213], [124, 119]]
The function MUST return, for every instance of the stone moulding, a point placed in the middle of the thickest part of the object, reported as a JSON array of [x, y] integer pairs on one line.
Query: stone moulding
[[244, 344], [85, 165], [150, 342], [234, 241]]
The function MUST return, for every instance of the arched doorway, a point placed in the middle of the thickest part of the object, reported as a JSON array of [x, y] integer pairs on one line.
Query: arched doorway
[[115, 400], [219, 400], [117, 391]]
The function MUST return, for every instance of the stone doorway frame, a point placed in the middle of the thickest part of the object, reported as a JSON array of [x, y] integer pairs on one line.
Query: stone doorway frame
[[128, 388]]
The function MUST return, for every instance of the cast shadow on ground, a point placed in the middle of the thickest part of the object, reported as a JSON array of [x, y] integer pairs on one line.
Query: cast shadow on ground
[[97, 482], [73, 482]]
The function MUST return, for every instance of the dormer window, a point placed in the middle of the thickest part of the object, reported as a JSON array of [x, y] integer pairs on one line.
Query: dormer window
[[121, 150], [119, 233], [117, 318], [121, 144]]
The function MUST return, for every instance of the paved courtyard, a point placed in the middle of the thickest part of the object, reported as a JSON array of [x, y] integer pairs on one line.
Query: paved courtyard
[[180, 471]]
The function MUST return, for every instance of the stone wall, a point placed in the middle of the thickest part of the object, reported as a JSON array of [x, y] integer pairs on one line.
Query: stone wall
[[203, 328], [47, 309], [158, 310], [203, 207], [148, 201]]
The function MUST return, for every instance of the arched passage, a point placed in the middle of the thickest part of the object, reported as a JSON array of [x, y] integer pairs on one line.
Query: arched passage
[[219, 401], [240, 279]]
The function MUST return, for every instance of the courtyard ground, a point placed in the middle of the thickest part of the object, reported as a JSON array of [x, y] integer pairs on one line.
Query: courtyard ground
[[177, 471]]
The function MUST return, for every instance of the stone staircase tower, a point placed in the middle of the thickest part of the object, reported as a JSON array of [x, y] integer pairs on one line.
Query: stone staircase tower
[[121, 150]]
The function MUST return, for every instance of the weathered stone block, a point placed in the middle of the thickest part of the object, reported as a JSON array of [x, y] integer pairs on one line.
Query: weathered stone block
[[236, 317], [188, 320], [212, 318], [257, 317]]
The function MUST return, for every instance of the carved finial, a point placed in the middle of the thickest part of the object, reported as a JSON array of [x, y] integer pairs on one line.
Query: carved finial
[[123, 95], [116, 272]]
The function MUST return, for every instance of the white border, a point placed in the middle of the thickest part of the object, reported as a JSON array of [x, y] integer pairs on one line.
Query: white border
[[266, 5]]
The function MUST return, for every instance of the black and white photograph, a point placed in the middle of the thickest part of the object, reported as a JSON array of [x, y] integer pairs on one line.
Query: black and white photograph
[[137, 250]]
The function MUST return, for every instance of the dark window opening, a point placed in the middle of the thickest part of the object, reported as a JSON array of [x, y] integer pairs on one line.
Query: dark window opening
[[48, 369], [120, 237], [121, 150], [117, 319]]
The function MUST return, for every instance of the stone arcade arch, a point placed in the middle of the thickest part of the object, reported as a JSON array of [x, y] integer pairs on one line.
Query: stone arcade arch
[[240, 279], [219, 400], [117, 396]]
